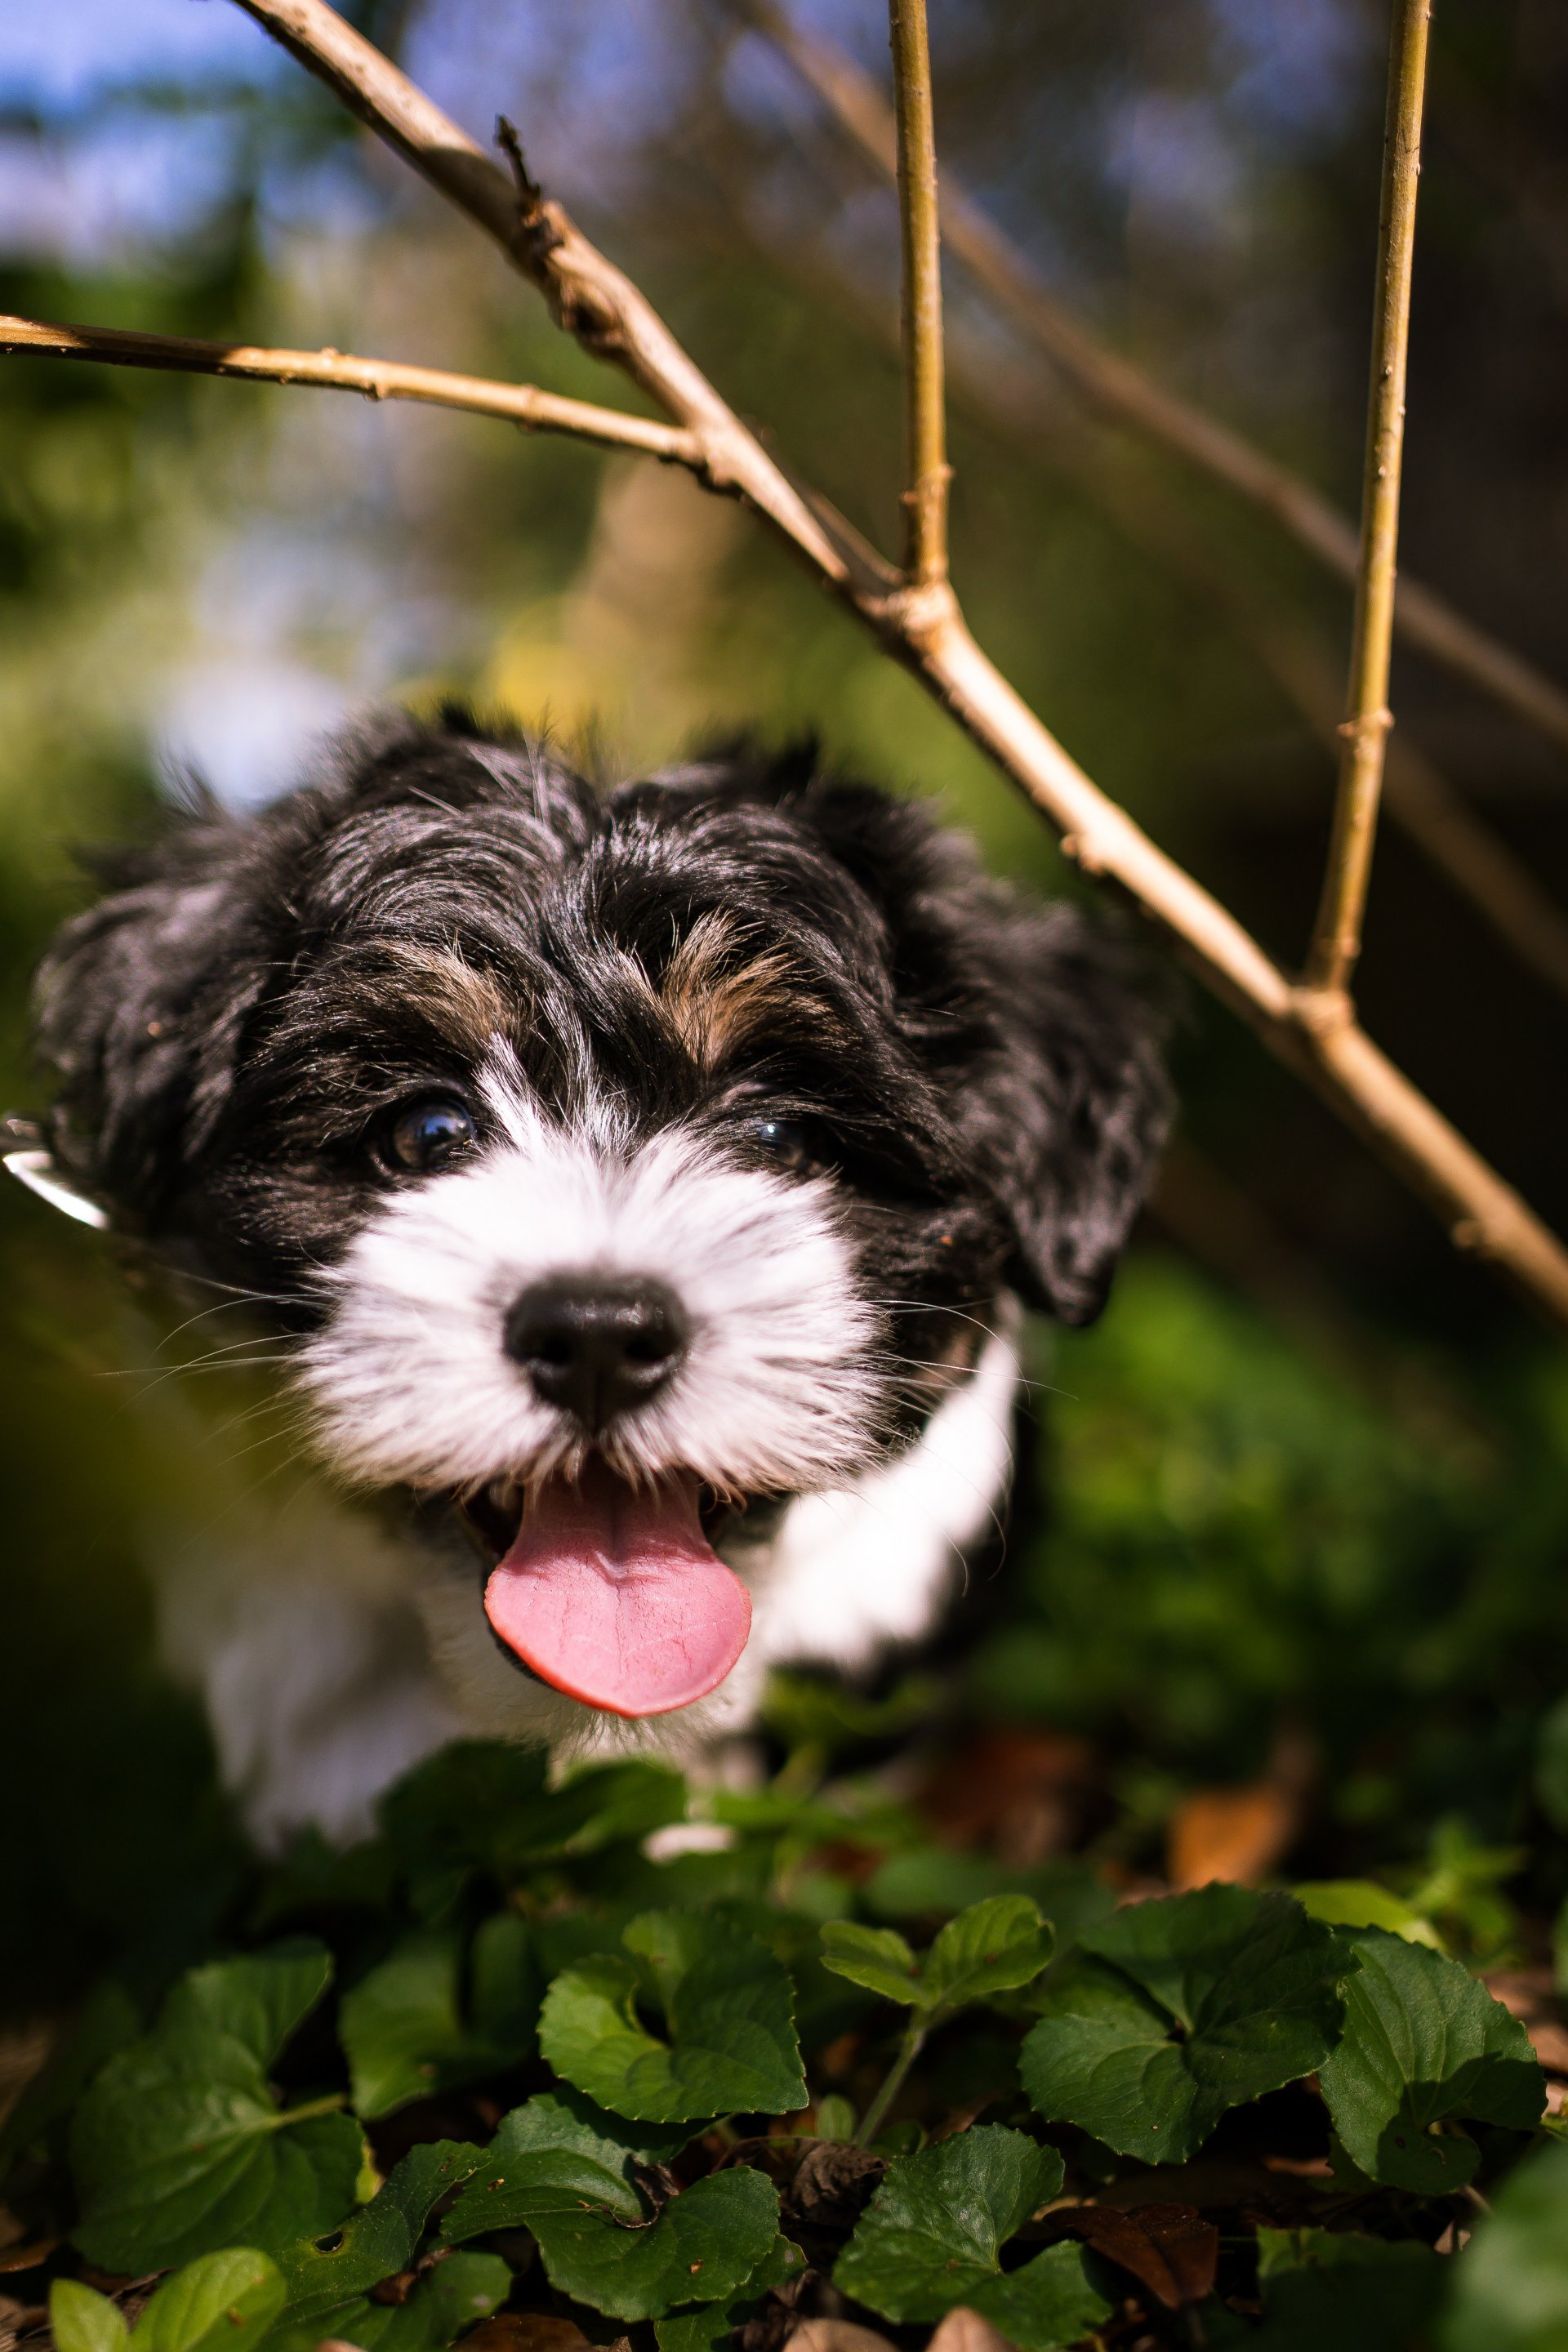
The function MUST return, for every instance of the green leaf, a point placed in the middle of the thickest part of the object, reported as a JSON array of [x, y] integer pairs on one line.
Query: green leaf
[[1424, 2043], [835, 2119], [727, 2008], [403, 2026], [1335, 2287], [179, 2147], [876, 1957], [994, 1946], [713, 2324], [459, 2291], [553, 2156], [567, 2171], [702, 2248], [335, 2265], [82, 2320], [933, 2235], [1362, 1902], [1173, 2012], [230, 2298], [1510, 2292], [1046, 2304]]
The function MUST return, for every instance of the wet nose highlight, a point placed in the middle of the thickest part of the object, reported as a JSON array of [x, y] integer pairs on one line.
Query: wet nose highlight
[[596, 1347]]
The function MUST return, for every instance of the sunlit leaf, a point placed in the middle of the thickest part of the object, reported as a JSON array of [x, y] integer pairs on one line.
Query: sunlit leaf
[[878, 1959], [180, 2147], [933, 2233], [1424, 2043], [728, 2044], [1174, 2010], [82, 2320], [221, 2299], [403, 2025]]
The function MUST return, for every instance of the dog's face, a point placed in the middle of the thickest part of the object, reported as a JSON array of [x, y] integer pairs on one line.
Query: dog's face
[[621, 1168]]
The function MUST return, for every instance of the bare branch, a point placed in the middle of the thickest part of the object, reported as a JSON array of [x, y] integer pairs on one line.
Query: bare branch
[[519, 404], [1468, 851], [926, 469], [1425, 620], [611, 317], [1336, 939]]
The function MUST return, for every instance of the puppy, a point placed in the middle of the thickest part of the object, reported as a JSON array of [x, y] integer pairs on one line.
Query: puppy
[[641, 1186]]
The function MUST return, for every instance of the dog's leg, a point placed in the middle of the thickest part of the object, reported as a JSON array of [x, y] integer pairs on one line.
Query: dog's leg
[[303, 1641]]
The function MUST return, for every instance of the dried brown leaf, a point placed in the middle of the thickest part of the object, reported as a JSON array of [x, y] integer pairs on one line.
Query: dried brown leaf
[[1169, 2249]]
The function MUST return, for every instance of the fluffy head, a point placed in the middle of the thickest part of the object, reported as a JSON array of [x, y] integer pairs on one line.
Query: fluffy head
[[748, 1065]]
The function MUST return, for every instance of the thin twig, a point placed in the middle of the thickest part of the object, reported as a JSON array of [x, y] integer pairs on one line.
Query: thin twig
[[926, 469], [519, 404], [601, 305], [1336, 939], [1425, 620]]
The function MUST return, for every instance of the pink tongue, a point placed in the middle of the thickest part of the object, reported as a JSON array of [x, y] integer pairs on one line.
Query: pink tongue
[[613, 1593]]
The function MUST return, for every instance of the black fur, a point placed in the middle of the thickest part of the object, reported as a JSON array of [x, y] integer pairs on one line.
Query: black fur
[[232, 1025]]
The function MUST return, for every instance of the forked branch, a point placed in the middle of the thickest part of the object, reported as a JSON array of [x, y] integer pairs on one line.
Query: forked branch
[[925, 432], [1336, 940], [611, 317], [1118, 389], [519, 404]]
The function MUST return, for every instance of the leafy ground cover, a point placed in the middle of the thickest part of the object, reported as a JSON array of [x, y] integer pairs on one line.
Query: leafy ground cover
[[620, 2058]]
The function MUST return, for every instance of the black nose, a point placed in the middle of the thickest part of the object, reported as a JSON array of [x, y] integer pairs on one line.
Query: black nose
[[596, 1347]]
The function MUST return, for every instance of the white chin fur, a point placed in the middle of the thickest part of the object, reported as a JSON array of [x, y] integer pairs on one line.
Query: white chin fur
[[409, 1382]]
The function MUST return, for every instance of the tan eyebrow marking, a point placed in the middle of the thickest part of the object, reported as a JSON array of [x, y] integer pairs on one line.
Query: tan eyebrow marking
[[713, 1004], [466, 1005]]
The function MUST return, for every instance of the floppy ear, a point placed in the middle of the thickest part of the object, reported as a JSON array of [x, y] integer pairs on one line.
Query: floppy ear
[[1074, 1107], [1042, 1026], [138, 1007]]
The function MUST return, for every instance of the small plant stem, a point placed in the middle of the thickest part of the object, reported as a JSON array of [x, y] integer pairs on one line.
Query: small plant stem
[[1336, 941], [332, 2104], [876, 2114], [926, 468]]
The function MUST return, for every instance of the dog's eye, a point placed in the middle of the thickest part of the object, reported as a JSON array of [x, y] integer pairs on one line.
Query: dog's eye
[[429, 1135], [787, 1144]]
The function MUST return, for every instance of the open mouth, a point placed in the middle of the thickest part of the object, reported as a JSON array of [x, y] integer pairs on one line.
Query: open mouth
[[610, 1592]]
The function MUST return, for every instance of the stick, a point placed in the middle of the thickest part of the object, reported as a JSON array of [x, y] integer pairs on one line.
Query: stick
[[929, 637], [926, 469], [1425, 620], [1336, 940], [519, 404]]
